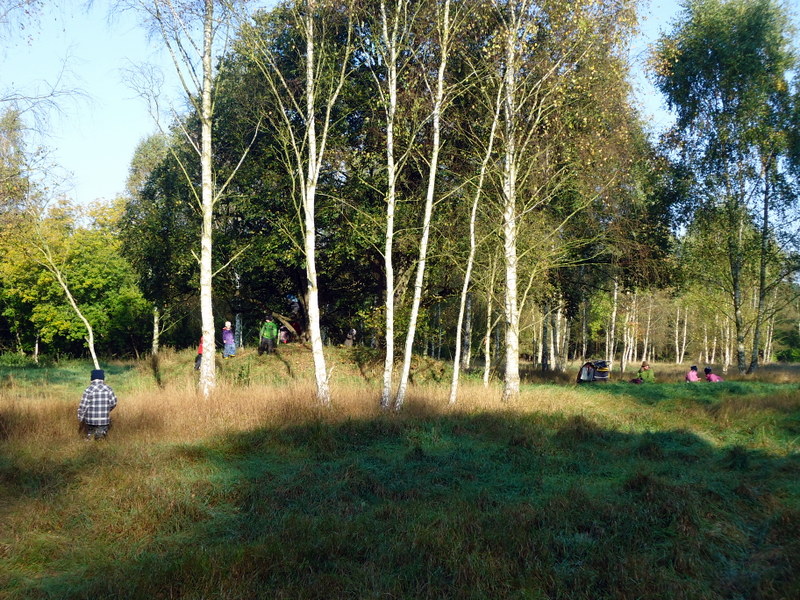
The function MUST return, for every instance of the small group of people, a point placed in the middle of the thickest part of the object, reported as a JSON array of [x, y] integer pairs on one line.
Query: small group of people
[[592, 371], [269, 335], [692, 375], [228, 345]]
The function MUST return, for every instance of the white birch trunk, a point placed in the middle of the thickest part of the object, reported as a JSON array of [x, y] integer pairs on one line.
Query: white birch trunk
[[466, 344], [391, 43], [511, 379], [156, 330], [208, 380], [676, 330], [315, 153], [768, 341], [48, 262], [714, 340], [426, 223], [89, 331], [685, 328], [464, 303], [584, 329], [612, 330], [646, 346], [487, 341]]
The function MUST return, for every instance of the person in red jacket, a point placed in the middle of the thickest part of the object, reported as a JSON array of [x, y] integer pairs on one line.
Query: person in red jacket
[[199, 358]]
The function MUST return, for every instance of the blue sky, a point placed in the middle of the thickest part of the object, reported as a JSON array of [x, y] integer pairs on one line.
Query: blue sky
[[94, 136]]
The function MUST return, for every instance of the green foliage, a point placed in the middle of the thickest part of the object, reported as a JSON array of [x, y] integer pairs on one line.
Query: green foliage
[[16, 359], [99, 278]]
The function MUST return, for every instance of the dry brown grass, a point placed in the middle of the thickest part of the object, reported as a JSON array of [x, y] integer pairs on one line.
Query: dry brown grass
[[178, 413]]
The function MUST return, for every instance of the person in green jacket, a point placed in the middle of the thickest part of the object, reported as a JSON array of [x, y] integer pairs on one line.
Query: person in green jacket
[[268, 335], [646, 373]]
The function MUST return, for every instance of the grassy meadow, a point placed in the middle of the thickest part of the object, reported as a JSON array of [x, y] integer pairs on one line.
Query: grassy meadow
[[617, 491]]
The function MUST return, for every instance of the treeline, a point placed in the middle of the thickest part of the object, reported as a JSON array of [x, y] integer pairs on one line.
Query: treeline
[[464, 179]]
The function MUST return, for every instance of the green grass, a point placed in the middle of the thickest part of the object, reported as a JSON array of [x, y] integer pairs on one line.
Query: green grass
[[617, 492]]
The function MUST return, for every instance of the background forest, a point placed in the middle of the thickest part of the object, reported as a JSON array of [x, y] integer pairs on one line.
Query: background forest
[[463, 179]]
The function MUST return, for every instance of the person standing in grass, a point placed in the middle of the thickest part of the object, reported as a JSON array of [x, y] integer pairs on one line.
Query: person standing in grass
[[692, 376], [199, 358], [96, 405], [711, 376], [228, 343], [268, 335]]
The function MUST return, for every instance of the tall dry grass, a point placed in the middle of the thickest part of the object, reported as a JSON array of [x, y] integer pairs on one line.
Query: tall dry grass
[[178, 413]]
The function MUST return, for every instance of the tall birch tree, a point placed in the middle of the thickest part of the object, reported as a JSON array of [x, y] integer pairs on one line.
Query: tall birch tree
[[306, 101], [392, 44], [724, 70], [189, 30], [445, 33]]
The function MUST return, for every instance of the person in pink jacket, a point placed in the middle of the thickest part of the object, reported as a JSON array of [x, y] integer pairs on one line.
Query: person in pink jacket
[[692, 376], [710, 376]]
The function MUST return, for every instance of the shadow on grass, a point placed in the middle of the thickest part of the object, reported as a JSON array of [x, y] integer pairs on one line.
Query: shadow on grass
[[432, 506]]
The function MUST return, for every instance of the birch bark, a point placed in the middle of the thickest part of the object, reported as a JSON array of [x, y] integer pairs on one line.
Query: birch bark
[[445, 34]]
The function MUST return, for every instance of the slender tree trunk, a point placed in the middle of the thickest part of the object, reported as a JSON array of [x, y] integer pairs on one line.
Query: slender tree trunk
[[465, 304], [390, 41], [487, 342], [511, 379], [156, 330], [466, 343], [545, 339], [683, 337], [555, 325], [315, 152], [563, 355], [768, 341], [207, 381], [676, 330], [646, 348], [714, 339], [728, 346], [611, 337], [426, 224], [762, 274], [237, 316], [584, 329], [49, 263]]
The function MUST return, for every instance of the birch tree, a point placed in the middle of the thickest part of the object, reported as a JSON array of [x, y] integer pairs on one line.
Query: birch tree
[[445, 33], [193, 32], [473, 244], [392, 45], [305, 103], [724, 70]]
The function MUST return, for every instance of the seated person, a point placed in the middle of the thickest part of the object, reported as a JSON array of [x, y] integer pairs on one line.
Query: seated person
[[692, 376], [710, 376], [645, 373]]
